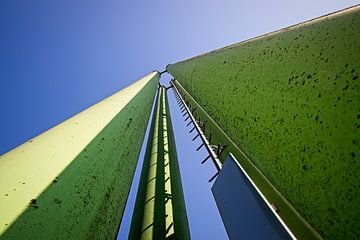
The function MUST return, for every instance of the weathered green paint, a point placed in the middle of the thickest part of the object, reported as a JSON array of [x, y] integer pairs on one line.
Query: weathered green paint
[[288, 214], [179, 209], [86, 199], [290, 100], [161, 215]]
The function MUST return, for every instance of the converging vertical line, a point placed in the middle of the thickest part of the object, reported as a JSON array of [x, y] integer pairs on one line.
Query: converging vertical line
[[169, 218], [147, 228]]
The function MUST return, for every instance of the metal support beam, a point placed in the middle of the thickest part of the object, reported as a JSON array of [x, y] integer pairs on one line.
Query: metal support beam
[[160, 209], [58, 184]]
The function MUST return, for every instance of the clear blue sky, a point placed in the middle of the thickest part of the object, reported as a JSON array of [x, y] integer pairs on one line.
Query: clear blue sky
[[60, 57]]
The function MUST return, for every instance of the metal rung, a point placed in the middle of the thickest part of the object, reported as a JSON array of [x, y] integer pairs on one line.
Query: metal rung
[[200, 146], [205, 159], [196, 137], [200, 127], [213, 177]]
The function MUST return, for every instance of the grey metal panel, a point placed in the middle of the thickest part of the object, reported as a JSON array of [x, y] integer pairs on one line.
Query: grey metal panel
[[245, 212]]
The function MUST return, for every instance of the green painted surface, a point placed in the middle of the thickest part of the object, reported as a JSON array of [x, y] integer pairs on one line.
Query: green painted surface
[[87, 199], [137, 217], [298, 226], [141, 210], [290, 100]]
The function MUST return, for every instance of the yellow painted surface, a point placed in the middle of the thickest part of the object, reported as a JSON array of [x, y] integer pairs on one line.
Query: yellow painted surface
[[26, 171]]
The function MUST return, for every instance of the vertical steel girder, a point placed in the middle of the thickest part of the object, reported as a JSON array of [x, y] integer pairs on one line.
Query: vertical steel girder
[[72, 181], [160, 209]]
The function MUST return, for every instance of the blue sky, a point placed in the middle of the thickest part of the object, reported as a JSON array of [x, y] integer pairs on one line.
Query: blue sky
[[60, 57]]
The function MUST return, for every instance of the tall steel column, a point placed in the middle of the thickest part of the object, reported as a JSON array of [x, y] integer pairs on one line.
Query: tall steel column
[[286, 105], [72, 181], [160, 209]]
